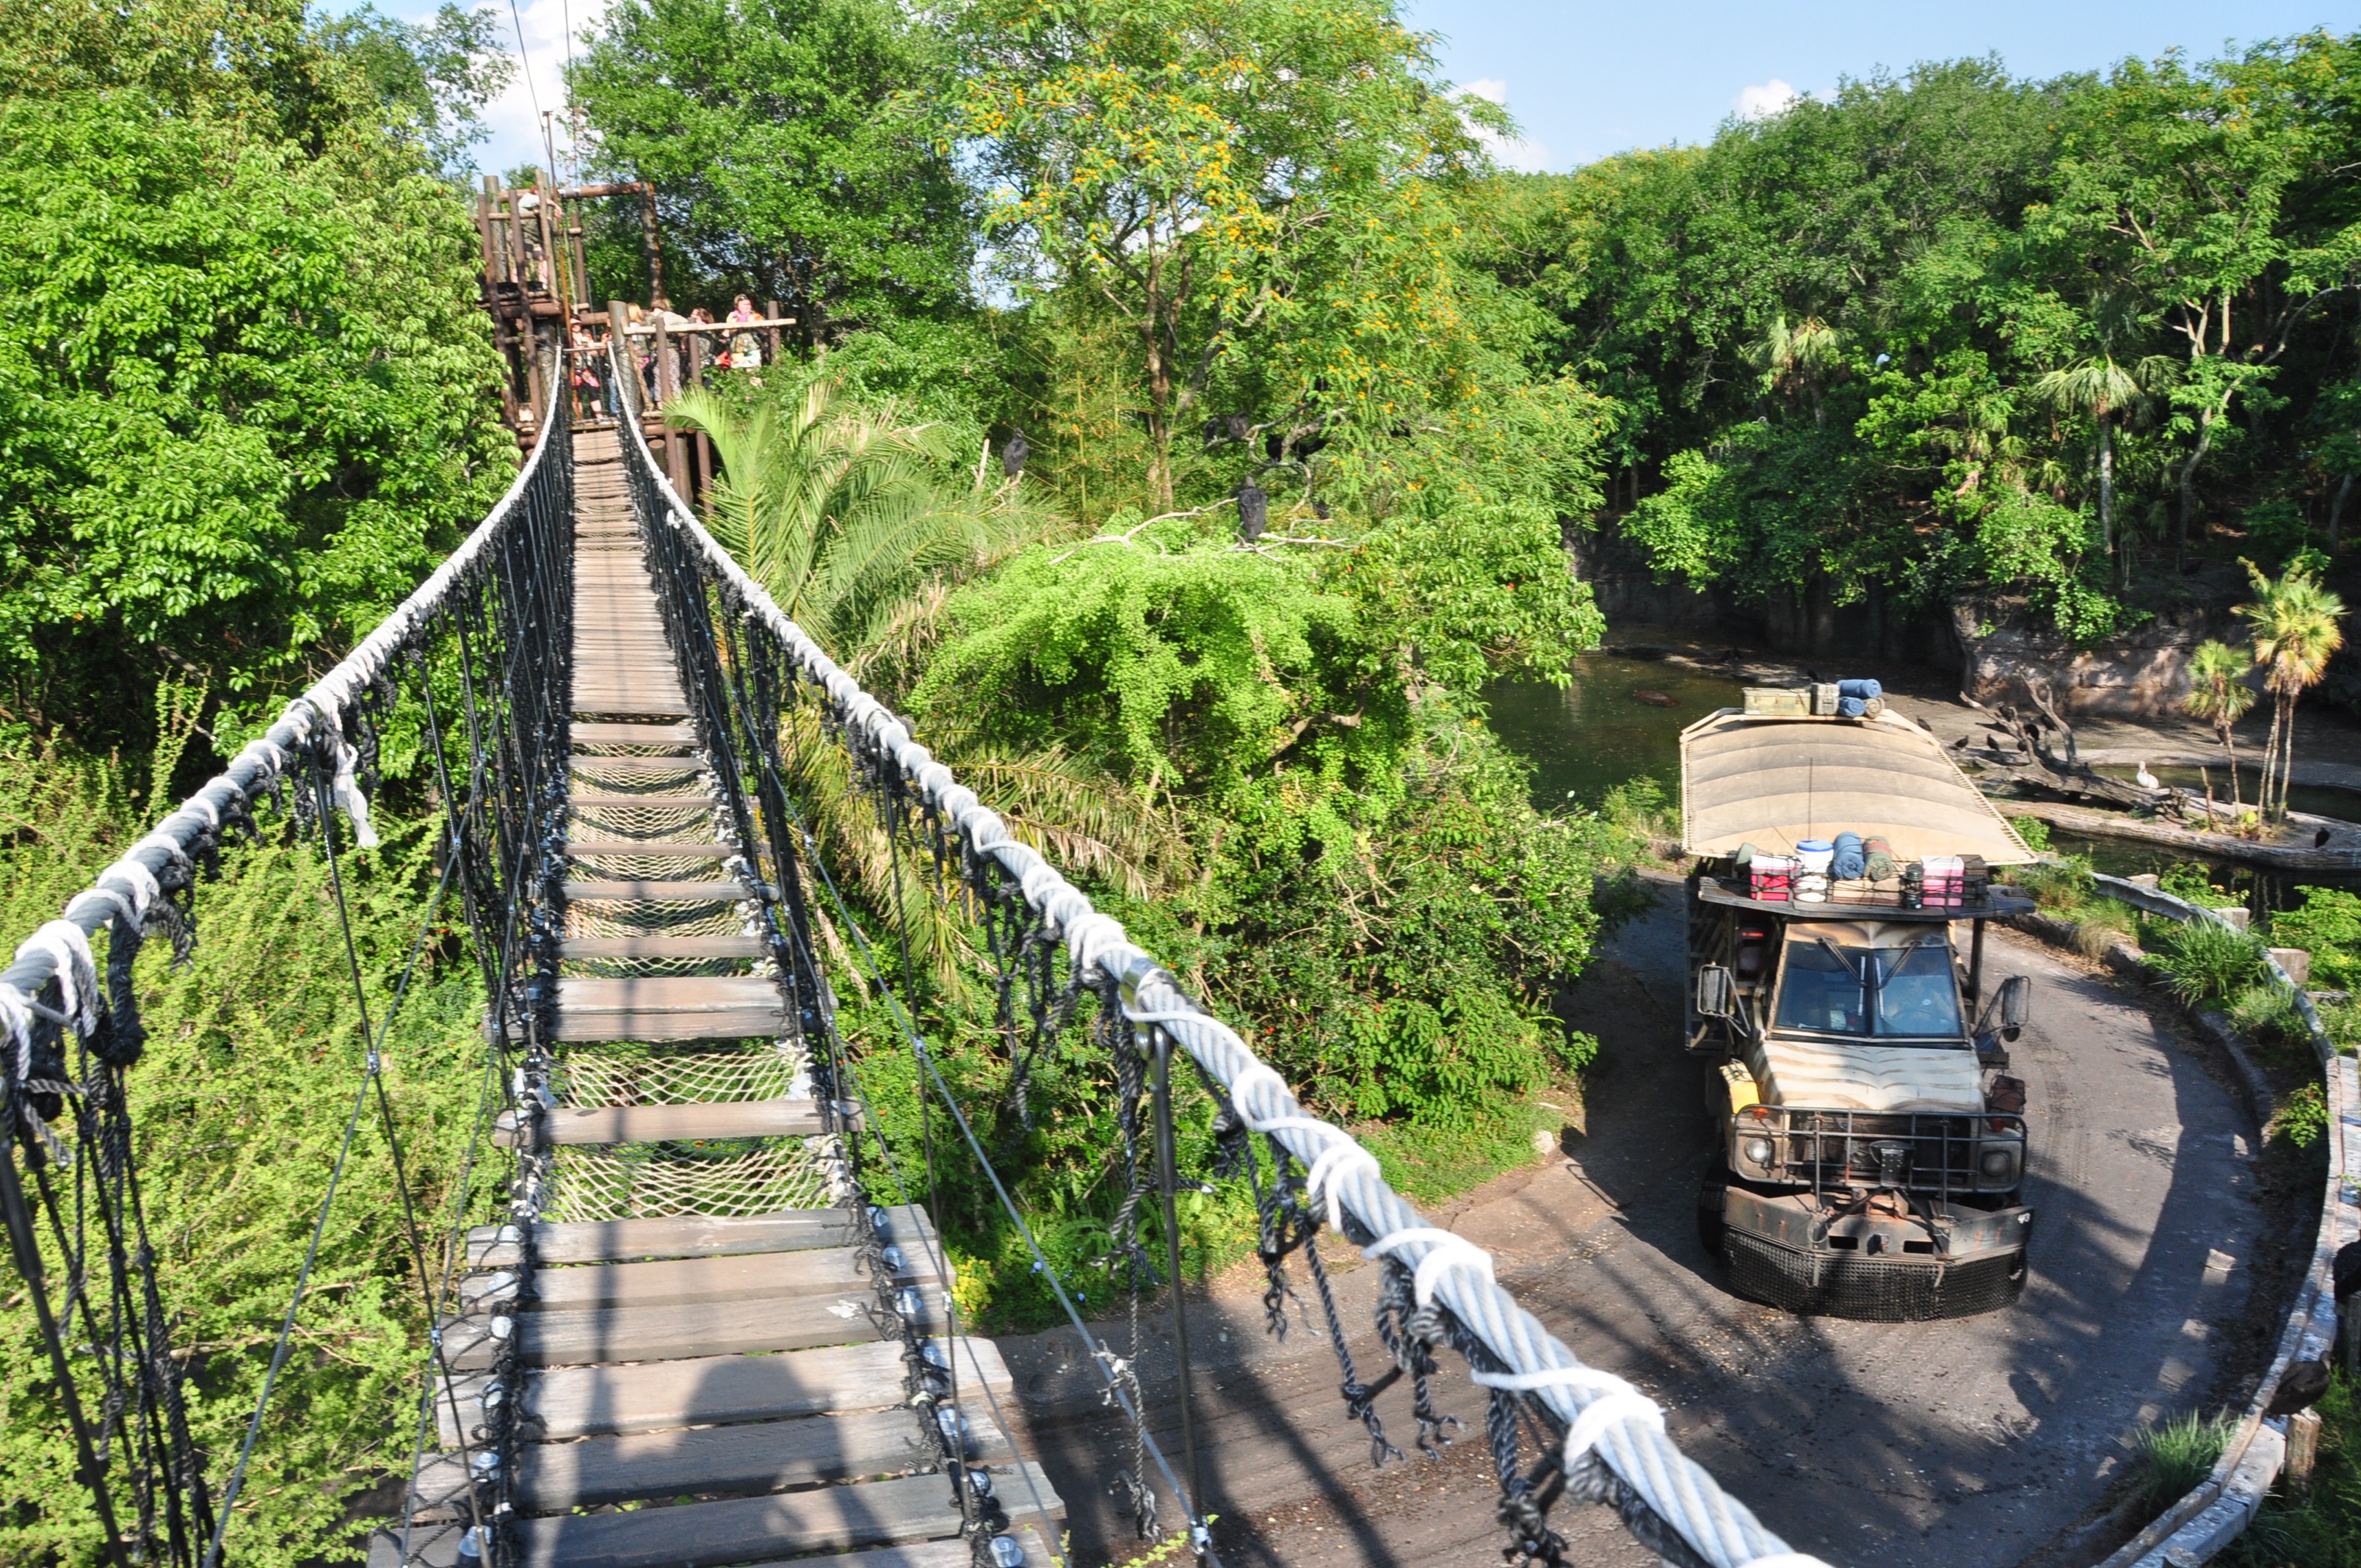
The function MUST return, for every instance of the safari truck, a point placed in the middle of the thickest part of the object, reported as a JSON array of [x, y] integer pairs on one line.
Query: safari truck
[[1872, 1149]]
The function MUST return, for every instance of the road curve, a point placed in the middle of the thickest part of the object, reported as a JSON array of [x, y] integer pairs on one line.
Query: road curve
[[1968, 1444]]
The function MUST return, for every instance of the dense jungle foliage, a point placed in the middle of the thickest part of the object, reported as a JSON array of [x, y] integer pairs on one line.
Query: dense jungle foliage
[[1186, 422], [2058, 343]]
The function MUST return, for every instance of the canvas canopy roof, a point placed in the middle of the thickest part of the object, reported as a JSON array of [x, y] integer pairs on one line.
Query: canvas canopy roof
[[1775, 782]]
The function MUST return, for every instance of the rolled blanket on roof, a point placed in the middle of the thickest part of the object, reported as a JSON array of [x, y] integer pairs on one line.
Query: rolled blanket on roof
[[1850, 861], [1861, 690]]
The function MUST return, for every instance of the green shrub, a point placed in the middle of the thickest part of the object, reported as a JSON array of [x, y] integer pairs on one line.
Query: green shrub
[[2034, 831], [2205, 962], [2192, 881], [2328, 926], [2267, 1012], [2303, 1116], [2340, 1021], [2175, 1456], [2062, 886], [2323, 1528]]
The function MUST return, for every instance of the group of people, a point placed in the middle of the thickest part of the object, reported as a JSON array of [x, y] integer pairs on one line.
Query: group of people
[[587, 377]]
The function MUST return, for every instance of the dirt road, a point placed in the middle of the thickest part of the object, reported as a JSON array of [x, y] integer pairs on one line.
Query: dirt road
[[1968, 1444]]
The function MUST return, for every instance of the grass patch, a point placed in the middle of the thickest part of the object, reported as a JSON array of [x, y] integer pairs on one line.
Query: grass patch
[[2063, 887], [2340, 1021], [2172, 1458], [2323, 1529], [2266, 1013], [1428, 1162], [2204, 962]]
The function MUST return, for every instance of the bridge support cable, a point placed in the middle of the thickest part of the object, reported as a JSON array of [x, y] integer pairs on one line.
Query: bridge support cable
[[1607, 1442], [488, 628], [733, 686]]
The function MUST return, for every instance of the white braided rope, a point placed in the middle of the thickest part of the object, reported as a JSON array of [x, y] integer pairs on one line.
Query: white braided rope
[[1628, 1430], [130, 885]]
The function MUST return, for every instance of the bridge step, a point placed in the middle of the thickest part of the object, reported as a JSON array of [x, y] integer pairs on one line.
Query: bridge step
[[669, 1007], [650, 849], [830, 1518], [696, 1121], [718, 889], [632, 767], [589, 950], [629, 1241], [437, 1546], [554, 1477], [603, 800], [559, 1404], [592, 733], [672, 1334], [681, 1282]]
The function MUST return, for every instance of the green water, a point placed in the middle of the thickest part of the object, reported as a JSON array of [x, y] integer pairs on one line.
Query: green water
[[1596, 734]]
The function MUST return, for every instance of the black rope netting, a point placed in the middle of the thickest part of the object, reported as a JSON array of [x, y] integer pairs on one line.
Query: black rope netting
[[484, 640]]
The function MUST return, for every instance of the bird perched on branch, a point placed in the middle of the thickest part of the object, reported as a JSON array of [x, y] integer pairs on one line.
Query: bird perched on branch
[[1254, 513], [2146, 780]]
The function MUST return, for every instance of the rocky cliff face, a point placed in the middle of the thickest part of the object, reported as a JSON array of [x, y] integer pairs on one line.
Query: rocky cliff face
[[2142, 675]]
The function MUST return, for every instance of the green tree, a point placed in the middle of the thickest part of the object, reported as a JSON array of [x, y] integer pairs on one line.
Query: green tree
[[2186, 183], [2219, 695], [2297, 625], [787, 160], [2107, 393], [1221, 178], [242, 400]]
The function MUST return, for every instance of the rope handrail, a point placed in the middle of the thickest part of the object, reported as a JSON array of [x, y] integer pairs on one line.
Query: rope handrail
[[130, 885], [1600, 1413]]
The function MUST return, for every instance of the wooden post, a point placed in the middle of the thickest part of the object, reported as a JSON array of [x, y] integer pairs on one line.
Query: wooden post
[[488, 204], [626, 369], [703, 477], [533, 379], [771, 312], [668, 382], [649, 243], [549, 261], [2302, 1450], [520, 252]]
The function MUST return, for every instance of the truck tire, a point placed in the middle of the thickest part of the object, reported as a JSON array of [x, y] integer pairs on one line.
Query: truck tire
[[1709, 1211]]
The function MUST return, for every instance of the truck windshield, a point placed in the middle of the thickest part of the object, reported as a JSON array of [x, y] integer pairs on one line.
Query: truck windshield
[[1889, 992]]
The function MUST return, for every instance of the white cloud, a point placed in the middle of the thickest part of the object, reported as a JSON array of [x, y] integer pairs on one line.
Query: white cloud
[[1524, 156], [1762, 103]]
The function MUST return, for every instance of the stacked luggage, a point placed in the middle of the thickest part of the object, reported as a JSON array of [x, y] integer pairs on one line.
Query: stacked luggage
[[1853, 870]]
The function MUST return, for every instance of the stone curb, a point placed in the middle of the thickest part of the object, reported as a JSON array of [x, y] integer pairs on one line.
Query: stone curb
[[2220, 1507]]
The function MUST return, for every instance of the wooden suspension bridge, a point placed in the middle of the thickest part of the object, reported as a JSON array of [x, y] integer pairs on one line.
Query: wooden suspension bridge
[[697, 1387]]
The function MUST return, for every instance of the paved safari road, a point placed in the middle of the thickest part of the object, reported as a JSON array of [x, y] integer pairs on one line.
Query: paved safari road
[[1949, 1445]]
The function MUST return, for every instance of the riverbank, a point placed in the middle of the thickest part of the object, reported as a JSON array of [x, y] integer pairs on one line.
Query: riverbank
[[1621, 716]]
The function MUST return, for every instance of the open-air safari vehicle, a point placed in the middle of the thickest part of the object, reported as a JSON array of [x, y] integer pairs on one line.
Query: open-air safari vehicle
[[1872, 1146]]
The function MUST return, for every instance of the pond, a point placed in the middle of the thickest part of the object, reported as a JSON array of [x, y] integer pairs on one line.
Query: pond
[[1619, 720]]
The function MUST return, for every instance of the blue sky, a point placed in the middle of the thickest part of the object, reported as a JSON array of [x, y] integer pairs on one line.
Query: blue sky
[[1587, 79]]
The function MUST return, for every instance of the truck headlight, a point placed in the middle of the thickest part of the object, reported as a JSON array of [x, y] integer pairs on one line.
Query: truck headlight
[[1757, 1151], [2000, 1164]]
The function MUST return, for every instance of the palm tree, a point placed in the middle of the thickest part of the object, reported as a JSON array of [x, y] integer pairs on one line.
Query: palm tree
[[2107, 392], [2296, 626], [2219, 695], [844, 514], [1803, 358], [840, 511]]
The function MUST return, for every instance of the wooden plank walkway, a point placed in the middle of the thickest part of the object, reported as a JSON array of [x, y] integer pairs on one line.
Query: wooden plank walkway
[[694, 1385]]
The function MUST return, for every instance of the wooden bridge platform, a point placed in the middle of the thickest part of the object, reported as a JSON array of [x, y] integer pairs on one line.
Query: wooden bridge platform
[[697, 1380]]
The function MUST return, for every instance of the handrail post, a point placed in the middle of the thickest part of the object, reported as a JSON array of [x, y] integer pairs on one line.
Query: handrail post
[[1159, 1046]]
